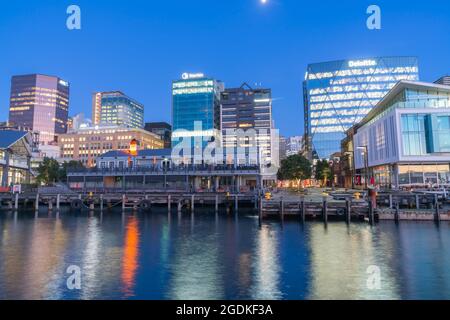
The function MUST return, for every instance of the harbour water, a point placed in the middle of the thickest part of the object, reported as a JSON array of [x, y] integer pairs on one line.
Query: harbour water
[[208, 256]]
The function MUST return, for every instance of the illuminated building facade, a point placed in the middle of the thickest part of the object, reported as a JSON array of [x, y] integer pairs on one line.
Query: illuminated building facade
[[40, 103], [405, 139], [339, 94], [116, 108], [162, 129], [245, 108], [196, 111], [86, 144]]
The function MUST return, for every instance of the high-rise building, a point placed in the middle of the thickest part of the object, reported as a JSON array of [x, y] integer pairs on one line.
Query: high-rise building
[[116, 108], [163, 130], [294, 145], [87, 143], [246, 108], [40, 103], [196, 111], [445, 80], [339, 94]]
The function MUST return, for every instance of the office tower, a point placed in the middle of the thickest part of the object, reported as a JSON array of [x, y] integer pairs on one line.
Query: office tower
[[88, 143], [163, 130], [40, 103], [246, 108], [196, 112], [445, 80], [283, 148], [116, 108], [294, 145], [339, 94]]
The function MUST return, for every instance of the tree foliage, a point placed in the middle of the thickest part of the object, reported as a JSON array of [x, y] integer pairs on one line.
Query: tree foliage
[[323, 171], [50, 171], [295, 167]]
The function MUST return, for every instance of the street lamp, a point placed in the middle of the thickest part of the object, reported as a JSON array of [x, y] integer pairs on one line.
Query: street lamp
[[366, 163], [352, 167]]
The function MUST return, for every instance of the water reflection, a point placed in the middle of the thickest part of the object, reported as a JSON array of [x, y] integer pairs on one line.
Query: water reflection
[[130, 257], [209, 256]]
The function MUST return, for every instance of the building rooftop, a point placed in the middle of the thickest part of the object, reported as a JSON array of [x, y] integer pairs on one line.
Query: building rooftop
[[140, 153], [10, 137], [398, 88]]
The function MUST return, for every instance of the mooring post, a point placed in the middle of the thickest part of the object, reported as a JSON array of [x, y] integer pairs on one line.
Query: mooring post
[[417, 202], [91, 207], [437, 216], [192, 203], [303, 210], [217, 203], [58, 200], [256, 202], [236, 203], [391, 205], [282, 209], [169, 203], [36, 204], [325, 210], [16, 202], [123, 202], [101, 203], [397, 211], [348, 210], [50, 204], [179, 206], [371, 214], [260, 210]]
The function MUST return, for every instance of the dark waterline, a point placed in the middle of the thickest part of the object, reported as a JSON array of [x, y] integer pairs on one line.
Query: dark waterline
[[204, 256]]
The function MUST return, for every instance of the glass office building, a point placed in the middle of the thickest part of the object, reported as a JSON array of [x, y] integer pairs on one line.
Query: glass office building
[[116, 108], [405, 139], [196, 110], [339, 94], [40, 103]]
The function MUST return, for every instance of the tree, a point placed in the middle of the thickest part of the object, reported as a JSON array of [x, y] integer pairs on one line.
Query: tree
[[323, 172], [295, 167], [66, 166], [48, 171]]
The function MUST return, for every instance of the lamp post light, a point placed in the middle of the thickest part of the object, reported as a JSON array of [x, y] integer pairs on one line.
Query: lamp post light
[[366, 163]]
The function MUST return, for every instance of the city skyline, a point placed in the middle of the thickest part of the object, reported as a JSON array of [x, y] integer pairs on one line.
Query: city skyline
[[141, 70]]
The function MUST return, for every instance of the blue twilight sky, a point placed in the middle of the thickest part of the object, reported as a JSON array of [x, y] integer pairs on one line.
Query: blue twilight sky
[[140, 46]]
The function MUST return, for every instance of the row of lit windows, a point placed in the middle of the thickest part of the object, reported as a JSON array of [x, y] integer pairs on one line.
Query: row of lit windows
[[191, 84], [365, 71], [352, 112], [344, 104], [349, 96], [368, 79], [359, 87]]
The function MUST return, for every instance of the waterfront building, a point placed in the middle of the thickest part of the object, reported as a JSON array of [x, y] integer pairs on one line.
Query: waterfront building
[[15, 156], [116, 108], [40, 103], [154, 170], [195, 114], [87, 143], [445, 80], [282, 147], [294, 145], [163, 130], [339, 94], [405, 139]]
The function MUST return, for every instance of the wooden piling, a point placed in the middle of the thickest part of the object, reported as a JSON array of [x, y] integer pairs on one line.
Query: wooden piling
[[179, 206], [325, 211], [348, 210], [391, 205], [123, 202], [397, 211], [282, 210], [58, 200], [437, 215], [371, 213], [192, 203], [417, 202], [303, 211], [16, 202], [236, 203], [101, 203], [50, 204], [217, 203], [260, 210], [169, 203], [36, 204]]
